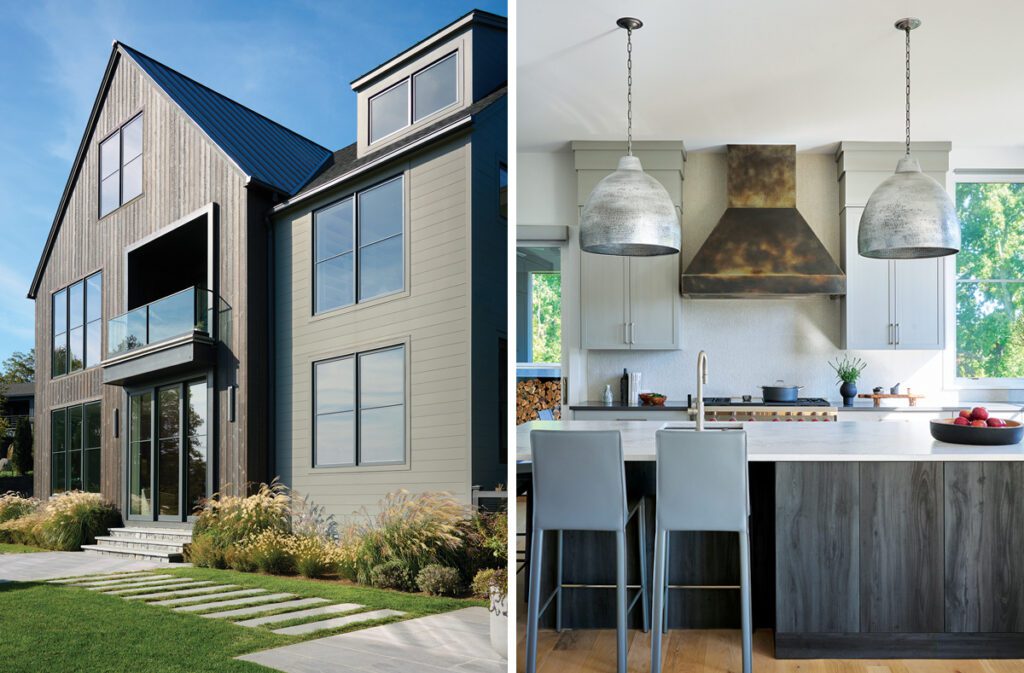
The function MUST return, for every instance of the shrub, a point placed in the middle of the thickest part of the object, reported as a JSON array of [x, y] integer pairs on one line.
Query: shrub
[[204, 551], [416, 530], [72, 519], [13, 506], [439, 580], [314, 556], [393, 574], [228, 520], [23, 530], [490, 577], [22, 449], [270, 551], [239, 558]]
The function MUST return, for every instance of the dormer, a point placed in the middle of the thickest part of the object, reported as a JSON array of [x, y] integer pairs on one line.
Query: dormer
[[434, 79]]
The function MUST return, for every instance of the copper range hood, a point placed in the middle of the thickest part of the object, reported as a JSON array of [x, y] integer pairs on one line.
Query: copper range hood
[[762, 246]]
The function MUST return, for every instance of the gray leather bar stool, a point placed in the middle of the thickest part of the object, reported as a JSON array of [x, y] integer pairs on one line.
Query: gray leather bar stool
[[579, 483], [701, 486]]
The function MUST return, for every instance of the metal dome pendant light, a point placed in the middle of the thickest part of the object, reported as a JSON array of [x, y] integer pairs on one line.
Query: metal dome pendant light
[[910, 215], [629, 213]]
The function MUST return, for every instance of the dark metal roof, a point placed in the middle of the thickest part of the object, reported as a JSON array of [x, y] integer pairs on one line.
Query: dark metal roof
[[261, 148], [345, 160], [18, 390]]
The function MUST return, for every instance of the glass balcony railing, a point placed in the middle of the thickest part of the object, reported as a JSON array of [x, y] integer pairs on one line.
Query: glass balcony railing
[[181, 313]]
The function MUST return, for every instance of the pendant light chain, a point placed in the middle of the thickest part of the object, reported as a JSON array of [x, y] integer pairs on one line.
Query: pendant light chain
[[629, 92], [908, 89]]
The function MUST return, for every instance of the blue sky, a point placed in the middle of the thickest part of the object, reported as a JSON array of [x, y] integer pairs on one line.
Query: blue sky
[[291, 61]]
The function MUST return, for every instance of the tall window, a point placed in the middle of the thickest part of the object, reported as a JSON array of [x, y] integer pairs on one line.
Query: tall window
[[359, 409], [121, 166], [990, 280], [429, 90], [75, 434], [539, 305], [77, 326], [358, 247]]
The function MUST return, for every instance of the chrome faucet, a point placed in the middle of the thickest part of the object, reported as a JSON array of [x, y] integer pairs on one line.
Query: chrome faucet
[[702, 378]]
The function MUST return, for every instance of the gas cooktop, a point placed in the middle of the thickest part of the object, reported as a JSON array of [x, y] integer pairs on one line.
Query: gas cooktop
[[758, 402]]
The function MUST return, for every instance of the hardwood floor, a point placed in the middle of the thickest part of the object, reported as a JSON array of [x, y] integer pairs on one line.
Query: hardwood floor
[[593, 651]]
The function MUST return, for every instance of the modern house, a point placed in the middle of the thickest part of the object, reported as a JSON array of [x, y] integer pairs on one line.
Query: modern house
[[221, 300]]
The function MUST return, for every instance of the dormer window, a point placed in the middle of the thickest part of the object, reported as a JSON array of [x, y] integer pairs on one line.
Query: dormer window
[[427, 91]]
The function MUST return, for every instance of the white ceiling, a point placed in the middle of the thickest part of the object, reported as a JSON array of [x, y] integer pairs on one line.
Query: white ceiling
[[809, 72]]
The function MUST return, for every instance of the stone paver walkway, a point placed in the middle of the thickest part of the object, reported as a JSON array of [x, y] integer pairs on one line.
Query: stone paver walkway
[[183, 594], [49, 564], [455, 641]]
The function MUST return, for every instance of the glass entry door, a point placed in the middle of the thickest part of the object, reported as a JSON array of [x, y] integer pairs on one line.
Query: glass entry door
[[168, 451]]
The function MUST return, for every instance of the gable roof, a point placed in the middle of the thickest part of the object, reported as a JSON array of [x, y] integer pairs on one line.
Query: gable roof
[[265, 152]]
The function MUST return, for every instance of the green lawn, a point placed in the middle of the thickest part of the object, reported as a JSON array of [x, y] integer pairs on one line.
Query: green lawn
[[59, 628], [7, 548]]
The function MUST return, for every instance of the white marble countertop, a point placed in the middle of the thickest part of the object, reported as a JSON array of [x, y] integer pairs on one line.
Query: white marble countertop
[[924, 405], [784, 442]]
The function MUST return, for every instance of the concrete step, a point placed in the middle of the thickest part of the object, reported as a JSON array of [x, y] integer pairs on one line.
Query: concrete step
[[312, 627], [311, 612], [178, 535], [256, 609], [245, 600], [189, 591], [140, 554], [147, 544]]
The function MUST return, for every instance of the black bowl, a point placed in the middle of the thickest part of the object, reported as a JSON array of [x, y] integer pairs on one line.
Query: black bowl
[[944, 431]]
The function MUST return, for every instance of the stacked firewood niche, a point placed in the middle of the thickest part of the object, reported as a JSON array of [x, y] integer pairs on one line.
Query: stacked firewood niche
[[532, 395]]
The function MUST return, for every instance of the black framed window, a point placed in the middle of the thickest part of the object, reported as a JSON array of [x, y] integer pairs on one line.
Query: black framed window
[[77, 326], [75, 442], [358, 251], [121, 166], [428, 90], [359, 409]]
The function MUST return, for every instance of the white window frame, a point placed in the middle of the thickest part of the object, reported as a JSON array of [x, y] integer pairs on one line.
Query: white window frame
[[410, 119], [951, 378]]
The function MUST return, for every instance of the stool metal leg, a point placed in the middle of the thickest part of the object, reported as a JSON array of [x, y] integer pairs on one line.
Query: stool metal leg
[[558, 587], [660, 597], [748, 665], [664, 623], [533, 608], [620, 598], [642, 522]]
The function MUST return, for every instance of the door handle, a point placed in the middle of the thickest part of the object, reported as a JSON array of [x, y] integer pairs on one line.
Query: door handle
[[891, 338], [625, 332], [897, 334], [632, 332]]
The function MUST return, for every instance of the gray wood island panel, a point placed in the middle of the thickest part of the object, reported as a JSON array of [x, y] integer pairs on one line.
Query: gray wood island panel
[[816, 543], [984, 531], [901, 547]]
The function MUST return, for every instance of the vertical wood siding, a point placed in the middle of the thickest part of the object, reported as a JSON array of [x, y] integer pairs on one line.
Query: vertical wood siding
[[433, 318], [182, 171]]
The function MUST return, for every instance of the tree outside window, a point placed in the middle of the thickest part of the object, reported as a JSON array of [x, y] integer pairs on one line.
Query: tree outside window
[[990, 280], [546, 328]]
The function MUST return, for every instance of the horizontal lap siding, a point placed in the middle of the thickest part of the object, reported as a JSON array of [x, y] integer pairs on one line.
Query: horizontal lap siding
[[434, 317], [182, 172]]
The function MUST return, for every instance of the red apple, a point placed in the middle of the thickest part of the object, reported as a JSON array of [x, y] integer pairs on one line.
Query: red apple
[[994, 422], [965, 413], [979, 413], [979, 424], [961, 420]]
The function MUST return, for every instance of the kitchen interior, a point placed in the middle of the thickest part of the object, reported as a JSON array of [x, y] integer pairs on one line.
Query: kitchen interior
[[812, 303]]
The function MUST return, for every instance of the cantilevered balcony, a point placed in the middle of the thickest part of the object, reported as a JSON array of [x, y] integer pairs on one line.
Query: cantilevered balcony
[[172, 333]]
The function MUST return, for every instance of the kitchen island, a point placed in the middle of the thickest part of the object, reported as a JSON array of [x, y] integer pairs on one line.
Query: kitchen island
[[868, 540]]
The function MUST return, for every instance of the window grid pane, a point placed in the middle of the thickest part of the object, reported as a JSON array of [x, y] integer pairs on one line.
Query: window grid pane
[[389, 111], [435, 87]]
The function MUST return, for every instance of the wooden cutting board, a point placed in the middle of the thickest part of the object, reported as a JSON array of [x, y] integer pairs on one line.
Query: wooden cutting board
[[912, 398]]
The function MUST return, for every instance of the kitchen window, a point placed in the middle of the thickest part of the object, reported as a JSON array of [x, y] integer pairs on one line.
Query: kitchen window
[[539, 305], [358, 247], [77, 326], [427, 91], [75, 434], [121, 166], [990, 280], [359, 409]]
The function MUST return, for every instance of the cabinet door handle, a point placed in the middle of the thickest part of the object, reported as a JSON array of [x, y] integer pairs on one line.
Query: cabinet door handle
[[890, 334], [625, 332], [632, 333], [897, 334]]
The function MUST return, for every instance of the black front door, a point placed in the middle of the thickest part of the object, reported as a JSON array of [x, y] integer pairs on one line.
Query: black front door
[[168, 451]]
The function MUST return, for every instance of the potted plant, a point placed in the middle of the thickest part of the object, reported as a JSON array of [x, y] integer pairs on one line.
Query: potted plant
[[847, 372], [492, 583]]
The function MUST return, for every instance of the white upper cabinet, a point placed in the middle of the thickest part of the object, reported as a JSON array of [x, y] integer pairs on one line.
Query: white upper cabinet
[[889, 304], [629, 303]]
